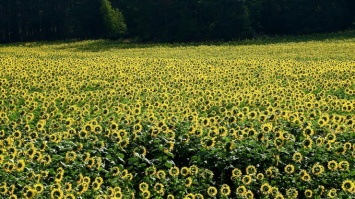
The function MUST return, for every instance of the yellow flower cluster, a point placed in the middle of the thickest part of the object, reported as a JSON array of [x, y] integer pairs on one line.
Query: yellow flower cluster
[[188, 122]]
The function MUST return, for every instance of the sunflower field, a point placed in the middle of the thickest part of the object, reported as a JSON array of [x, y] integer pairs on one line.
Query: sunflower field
[[85, 120]]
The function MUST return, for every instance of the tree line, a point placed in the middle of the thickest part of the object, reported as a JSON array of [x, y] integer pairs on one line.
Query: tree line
[[169, 20]]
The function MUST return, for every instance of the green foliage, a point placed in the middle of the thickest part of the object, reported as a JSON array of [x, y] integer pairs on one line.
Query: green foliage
[[113, 20]]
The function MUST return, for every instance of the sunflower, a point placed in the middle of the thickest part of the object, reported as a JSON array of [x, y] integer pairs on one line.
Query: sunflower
[[207, 174], [141, 150], [289, 169], [331, 137], [317, 169], [83, 134], [292, 193], [159, 188], [321, 122], [170, 196], [308, 132], [110, 191], [332, 193], [70, 156], [17, 134], [251, 170], [13, 196], [11, 189], [272, 171], [68, 186], [146, 194], [96, 186], [198, 132], [320, 141], [343, 165], [9, 167], [307, 143], [266, 127], [236, 172], [161, 174], [174, 171], [185, 171], [260, 176], [2, 133], [125, 173], [208, 142], [82, 188], [170, 135], [212, 191], [321, 189], [85, 157], [39, 187], [53, 138], [247, 179], [99, 180], [143, 186], [328, 146], [55, 186], [30, 152], [20, 165], [274, 191], [69, 196], [150, 171], [193, 170], [332, 165], [199, 196], [56, 193], [225, 190], [297, 157], [3, 189], [90, 162], [30, 193], [171, 145], [348, 186], [249, 194], [279, 196], [347, 146], [118, 195], [190, 196], [265, 189], [115, 171], [59, 177], [188, 182], [241, 190], [33, 135], [154, 132], [279, 142], [306, 177]]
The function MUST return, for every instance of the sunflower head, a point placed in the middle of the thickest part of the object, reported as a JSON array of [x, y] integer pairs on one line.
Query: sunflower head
[[212, 191], [348, 186], [241, 190], [225, 190], [332, 165], [174, 171], [297, 157]]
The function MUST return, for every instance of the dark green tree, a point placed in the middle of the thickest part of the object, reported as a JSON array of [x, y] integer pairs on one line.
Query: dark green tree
[[113, 20]]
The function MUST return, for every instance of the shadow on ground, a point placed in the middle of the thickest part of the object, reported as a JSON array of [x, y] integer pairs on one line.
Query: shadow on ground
[[106, 45]]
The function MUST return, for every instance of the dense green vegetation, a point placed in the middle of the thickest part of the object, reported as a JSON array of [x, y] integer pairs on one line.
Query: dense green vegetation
[[170, 20]]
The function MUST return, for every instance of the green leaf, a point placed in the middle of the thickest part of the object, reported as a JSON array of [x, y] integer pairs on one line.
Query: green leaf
[[168, 164], [132, 160], [120, 155]]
